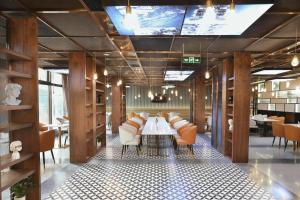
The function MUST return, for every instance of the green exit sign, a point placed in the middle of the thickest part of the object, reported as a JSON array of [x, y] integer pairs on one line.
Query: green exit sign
[[191, 60]]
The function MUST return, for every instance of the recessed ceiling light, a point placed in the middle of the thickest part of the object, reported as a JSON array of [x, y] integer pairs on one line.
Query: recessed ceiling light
[[270, 71], [177, 75]]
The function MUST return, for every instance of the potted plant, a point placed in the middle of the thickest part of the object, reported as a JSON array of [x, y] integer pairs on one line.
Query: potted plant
[[20, 189]]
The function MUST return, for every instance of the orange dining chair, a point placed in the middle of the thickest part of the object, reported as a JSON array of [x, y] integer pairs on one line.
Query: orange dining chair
[[280, 120], [173, 121], [188, 138], [141, 118], [47, 143], [42, 127], [291, 133], [135, 124], [278, 131]]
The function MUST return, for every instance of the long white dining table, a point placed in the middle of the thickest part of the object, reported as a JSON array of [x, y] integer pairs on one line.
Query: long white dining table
[[157, 126]]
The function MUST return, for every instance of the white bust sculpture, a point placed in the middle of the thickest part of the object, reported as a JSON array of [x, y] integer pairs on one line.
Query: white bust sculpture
[[230, 122], [12, 92], [15, 147]]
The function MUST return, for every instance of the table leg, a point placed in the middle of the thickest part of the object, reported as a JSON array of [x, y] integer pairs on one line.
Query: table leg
[[157, 144], [59, 137]]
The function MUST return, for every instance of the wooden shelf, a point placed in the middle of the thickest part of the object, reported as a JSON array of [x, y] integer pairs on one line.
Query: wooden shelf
[[99, 82], [98, 90], [14, 74], [87, 105], [88, 88], [231, 78], [6, 160], [99, 113], [230, 105], [14, 126], [231, 88], [12, 177], [88, 78], [19, 107], [89, 114], [10, 55], [229, 140], [230, 115], [99, 104], [99, 133]]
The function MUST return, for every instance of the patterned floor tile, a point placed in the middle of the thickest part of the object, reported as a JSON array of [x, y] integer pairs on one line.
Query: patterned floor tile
[[206, 175]]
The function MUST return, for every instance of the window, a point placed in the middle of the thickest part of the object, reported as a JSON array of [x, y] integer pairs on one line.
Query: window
[[44, 104], [43, 75], [56, 78], [275, 85], [57, 103]]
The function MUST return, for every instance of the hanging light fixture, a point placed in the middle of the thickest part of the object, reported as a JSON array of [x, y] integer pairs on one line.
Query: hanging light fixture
[[169, 99], [107, 85], [120, 82], [295, 59], [176, 93], [95, 76], [232, 6], [150, 95], [287, 84], [209, 4], [130, 20], [105, 73], [207, 75]]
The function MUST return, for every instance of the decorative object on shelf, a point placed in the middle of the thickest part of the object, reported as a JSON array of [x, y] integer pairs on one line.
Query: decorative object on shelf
[[230, 122], [12, 92], [15, 147], [20, 189], [230, 99]]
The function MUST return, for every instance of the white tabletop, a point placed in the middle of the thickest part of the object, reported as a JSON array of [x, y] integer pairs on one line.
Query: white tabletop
[[57, 125], [157, 127]]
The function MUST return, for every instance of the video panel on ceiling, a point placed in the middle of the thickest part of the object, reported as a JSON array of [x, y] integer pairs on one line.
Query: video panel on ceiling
[[185, 20]]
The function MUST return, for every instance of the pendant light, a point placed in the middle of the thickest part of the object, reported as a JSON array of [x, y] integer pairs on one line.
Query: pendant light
[[209, 4], [295, 59], [105, 73], [120, 82], [232, 6], [207, 75], [130, 20]]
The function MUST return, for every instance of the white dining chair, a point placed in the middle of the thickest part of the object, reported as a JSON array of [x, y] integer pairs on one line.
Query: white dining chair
[[179, 124], [128, 138]]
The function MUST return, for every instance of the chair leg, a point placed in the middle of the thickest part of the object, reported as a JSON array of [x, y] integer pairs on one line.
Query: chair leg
[[273, 141], [66, 140], [137, 150], [52, 156], [192, 148], [279, 142], [286, 142], [123, 147], [44, 159], [294, 145]]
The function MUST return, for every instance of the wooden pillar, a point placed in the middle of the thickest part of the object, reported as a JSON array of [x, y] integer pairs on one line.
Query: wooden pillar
[[199, 103], [241, 109], [116, 106], [77, 84]]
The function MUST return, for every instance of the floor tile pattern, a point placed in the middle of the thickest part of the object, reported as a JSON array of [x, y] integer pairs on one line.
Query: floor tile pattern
[[207, 175]]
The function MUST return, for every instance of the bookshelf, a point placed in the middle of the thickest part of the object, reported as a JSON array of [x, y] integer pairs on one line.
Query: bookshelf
[[22, 124], [236, 106]]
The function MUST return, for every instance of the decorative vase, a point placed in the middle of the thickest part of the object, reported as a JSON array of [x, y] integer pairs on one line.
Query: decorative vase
[[20, 198]]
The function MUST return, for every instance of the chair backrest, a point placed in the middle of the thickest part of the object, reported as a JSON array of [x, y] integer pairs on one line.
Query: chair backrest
[[133, 129], [137, 120], [292, 132], [280, 120], [209, 120], [181, 129], [141, 118], [47, 140], [272, 117], [133, 123], [189, 135], [131, 115], [179, 124], [278, 129], [173, 121], [125, 135], [165, 115], [42, 127]]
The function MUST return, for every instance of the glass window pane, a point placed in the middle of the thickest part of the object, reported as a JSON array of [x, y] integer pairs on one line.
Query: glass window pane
[[42, 74], [44, 103], [57, 103], [56, 78]]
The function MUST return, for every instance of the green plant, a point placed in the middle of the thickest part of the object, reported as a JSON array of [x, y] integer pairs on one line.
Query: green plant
[[21, 188]]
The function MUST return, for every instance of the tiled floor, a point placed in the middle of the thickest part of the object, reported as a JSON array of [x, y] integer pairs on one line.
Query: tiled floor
[[206, 175]]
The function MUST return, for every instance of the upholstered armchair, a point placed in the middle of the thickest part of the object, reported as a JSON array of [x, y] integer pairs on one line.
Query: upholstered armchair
[[47, 143], [135, 124], [128, 138], [278, 131], [187, 138], [291, 133]]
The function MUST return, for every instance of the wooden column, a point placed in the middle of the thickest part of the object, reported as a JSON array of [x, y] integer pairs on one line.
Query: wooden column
[[241, 109], [116, 106], [199, 103], [77, 64]]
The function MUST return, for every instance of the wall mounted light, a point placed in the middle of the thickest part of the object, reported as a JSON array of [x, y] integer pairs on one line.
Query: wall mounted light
[[105, 73]]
